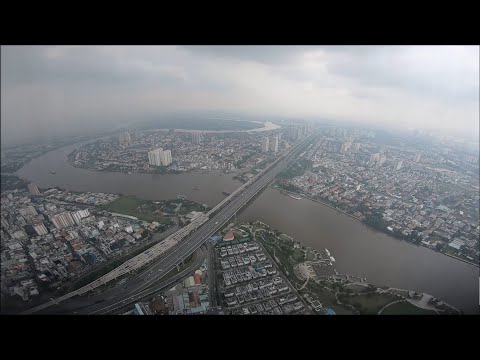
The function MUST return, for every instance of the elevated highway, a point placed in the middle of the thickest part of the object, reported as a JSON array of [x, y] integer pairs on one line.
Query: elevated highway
[[164, 256]]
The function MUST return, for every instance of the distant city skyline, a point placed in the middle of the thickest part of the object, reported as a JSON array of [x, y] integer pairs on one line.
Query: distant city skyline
[[67, 90]]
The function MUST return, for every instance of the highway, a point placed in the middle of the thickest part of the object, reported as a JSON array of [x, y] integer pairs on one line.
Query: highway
[[187, 241]]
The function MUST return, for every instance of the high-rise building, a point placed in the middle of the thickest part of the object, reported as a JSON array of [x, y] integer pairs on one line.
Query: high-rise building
[[125, 139], [273, 144], [166, 158], [265, 144], [417, 157], [381, 160], [197, 138], [291, 132], [28, 211], [472, 159], [33, 189], [40, 228], [346, 147], [398, 164], [155, 157], [303, 131], [297, 132], [79, 215], [62, 220], [375, 157]]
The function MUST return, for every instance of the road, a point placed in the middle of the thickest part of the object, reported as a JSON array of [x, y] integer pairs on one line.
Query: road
[[184, 248]]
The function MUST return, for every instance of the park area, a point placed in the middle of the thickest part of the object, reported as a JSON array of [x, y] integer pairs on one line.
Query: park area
[[370, 303], [133, 206], [405, 308]]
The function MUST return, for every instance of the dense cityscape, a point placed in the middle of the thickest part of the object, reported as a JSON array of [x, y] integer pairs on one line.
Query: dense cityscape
[[429, 196], [240, 180], [174, 152], [55, 241]]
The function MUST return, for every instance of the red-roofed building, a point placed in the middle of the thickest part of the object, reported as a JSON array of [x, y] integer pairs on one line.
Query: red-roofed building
[[228, 236], [198, 279]]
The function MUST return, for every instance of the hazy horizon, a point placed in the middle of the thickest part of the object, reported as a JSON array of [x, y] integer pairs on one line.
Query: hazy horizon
[[67, 90]]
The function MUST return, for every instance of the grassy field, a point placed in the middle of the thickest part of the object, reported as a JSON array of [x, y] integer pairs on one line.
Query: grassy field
[[128, 205], [285, 264], [298, 255], [405, 308], [355, 287], [369, 304], [11, 182]]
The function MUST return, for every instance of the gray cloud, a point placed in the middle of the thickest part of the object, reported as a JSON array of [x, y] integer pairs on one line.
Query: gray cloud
[[52, 89], [267, 54], [439, 71]]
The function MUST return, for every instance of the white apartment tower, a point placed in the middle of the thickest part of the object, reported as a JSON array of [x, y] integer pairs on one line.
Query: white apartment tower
[[155, 157], [273, 144], [265, 144], [79, 215], [197, 138], [346, 147], [63, 220], [166, 158], [125, 139], [382, 160], [40, 229], [160, 157], [375, 157]]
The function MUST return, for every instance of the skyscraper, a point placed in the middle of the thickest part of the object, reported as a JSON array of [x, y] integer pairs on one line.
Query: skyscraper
[[155, 157], [265, 144], [398, 164], [293, 133], [166, 158], [273, 143], [125, 139], [346, 147], [417, 157], [28, 211], [381, 160], [33, 189], [375, 157], [302, 131], [79, 215], [40, 228], [63, 220], [197, 138]]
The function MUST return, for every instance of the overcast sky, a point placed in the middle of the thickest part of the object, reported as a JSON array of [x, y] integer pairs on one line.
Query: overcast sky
[[60, 89]]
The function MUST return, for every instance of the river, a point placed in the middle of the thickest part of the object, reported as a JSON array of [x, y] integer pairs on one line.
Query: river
[[358, 250]]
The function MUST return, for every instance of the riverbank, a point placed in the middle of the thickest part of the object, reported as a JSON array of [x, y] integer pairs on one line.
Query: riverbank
[[166, 172], [316, 200], [344, 293], [456, 257], [372, 227]]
